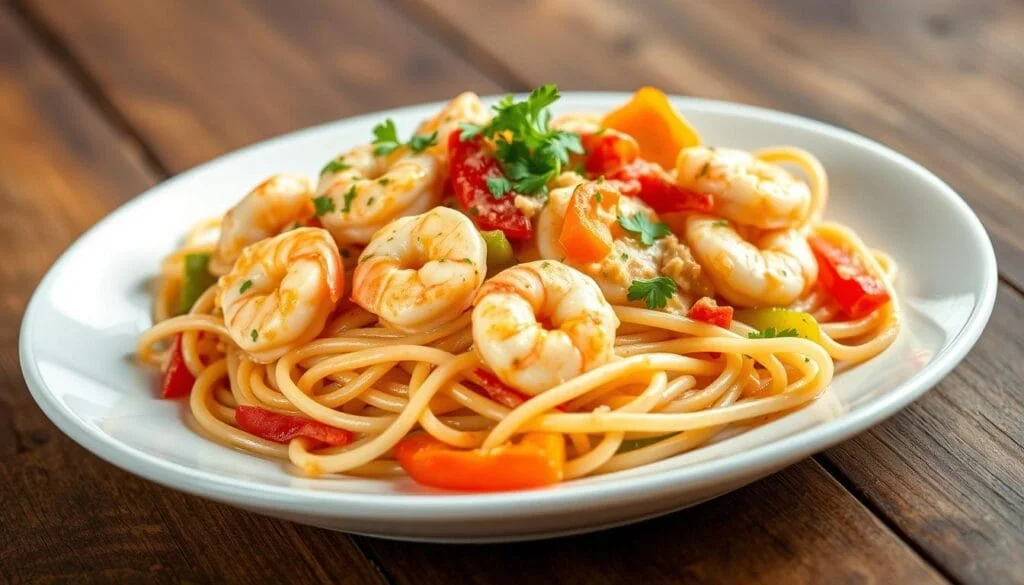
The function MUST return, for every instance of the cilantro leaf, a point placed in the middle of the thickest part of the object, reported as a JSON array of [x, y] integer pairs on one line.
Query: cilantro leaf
[[498, 186], [386, 141], [770, 333], [385, 138], [530, 153], [639, 223], [654, 291], [421, 142], [348, 200], [323, 205], [335, 166]]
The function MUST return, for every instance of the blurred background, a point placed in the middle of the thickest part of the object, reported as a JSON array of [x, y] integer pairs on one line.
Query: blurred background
[[101, 99]]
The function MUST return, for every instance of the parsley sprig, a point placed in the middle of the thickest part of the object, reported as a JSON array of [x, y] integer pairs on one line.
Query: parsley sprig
[[385, 139], [530, 152], [770, 333], [654, 291], [640, 224]]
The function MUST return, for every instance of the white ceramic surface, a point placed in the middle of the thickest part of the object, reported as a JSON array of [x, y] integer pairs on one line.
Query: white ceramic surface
[[81, 327]]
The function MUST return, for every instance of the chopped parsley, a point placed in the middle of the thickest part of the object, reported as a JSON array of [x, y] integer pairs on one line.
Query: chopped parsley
[[385, 139], [545, 264], [467, 261], [369, 201], [255, 335], [598, 197], [421, 142], [348, 200], [624, 256], [498, 186], [770, 332], [654, 291], [530, 153], [642, 225], [474, 211], [245, 286], [335, 166], [704, 169], [383, 181], [323, 205], [720, 223]]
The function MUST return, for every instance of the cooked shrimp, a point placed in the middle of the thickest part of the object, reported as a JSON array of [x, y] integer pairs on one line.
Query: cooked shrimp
[[629, 259], [747, 191], [510, 334], [272, 206], [280, 292], [774, 269], [465, 107], [421, 272], [368, 191]]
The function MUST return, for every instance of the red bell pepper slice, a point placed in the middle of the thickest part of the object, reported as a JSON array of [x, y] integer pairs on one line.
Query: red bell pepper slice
[[281, 428], [537, 460], [497, 390], [177, 380], [655, 187], [470, 165], [707, 310], [844, 277]]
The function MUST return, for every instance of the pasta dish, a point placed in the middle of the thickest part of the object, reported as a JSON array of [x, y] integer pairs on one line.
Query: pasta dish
[[510, 299]]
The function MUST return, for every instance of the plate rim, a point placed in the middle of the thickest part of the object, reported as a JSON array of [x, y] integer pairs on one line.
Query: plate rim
[[481, 506]]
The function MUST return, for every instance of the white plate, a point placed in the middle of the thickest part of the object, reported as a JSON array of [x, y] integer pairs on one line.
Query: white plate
[[83, 321]]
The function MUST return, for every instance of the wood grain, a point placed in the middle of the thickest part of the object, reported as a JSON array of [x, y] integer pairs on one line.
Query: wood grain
[[65, 515], [203, 78], [939, 81], [948, 470], [795, 527]]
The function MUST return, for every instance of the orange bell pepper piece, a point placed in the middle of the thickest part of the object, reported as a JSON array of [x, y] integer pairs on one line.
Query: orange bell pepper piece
[[537, 460], [659, 129], [586, 230]]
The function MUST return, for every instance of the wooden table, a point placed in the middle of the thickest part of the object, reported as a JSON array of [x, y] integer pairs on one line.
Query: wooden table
[[100, 100]]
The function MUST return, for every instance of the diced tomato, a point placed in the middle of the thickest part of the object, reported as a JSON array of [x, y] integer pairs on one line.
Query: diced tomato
[[470, 165], [281, 428], [178, 380], [655, 187], [844, 277], [706, 309], [537, 460], [608, 150], [586, 234]]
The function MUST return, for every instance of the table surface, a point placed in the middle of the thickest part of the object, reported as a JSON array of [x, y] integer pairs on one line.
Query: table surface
[[101, 100]]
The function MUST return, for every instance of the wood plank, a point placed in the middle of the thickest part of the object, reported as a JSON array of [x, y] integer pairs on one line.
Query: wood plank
[[203, 78], [65, 515], [948, 470], [937, 82], [798, 526]]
